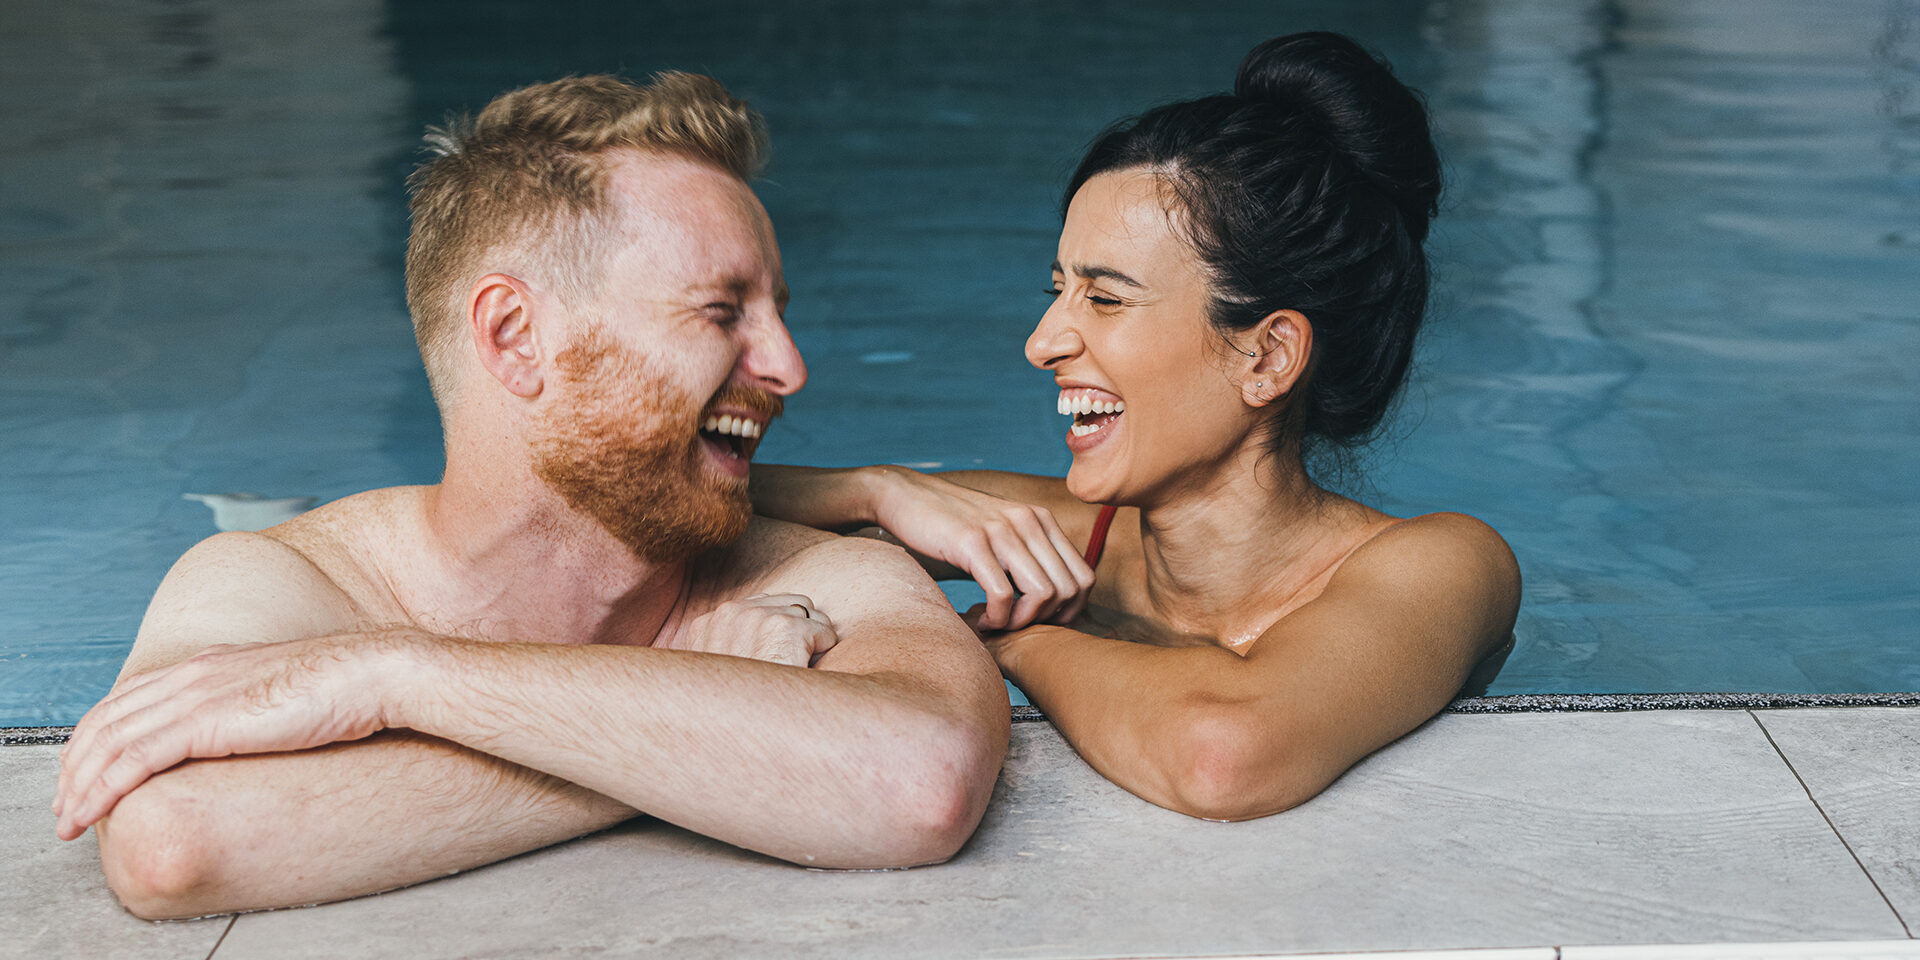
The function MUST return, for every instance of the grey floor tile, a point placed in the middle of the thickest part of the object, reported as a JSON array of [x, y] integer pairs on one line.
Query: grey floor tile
[[1474, 832], [1863, 767], [53, 901]]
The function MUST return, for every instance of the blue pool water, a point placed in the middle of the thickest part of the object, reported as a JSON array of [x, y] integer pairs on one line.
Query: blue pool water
[[1672, 359]]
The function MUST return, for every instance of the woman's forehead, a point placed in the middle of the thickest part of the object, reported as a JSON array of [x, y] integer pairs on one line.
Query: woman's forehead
[[1125, 220]]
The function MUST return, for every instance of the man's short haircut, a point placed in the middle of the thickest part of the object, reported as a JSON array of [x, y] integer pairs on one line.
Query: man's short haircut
[[528, 175]]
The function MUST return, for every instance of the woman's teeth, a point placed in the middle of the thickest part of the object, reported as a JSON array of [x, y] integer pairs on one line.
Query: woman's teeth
[[733, 426], [1077, 406], [1087, 406]]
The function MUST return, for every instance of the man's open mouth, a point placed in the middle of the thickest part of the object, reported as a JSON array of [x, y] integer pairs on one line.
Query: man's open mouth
[[736, 436], [1091, 410]]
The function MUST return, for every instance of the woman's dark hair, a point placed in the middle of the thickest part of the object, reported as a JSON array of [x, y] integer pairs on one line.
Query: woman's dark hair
[[1309, 188]]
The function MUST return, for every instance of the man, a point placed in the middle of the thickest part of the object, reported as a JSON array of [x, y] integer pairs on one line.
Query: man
[[580, 622]]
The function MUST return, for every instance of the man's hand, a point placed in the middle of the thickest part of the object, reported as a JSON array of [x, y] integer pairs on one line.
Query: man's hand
[[229, 699], [776, 627]]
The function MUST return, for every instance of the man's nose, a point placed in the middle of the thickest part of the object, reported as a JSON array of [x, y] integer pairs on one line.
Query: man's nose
[[773, 361], [1054, 340]]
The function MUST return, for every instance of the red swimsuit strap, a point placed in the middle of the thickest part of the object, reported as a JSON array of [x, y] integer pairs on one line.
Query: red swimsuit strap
[[1098, 542]]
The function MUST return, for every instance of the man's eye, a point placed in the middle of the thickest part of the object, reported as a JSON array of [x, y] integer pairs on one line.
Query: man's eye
[[1103, 301], [722, 313], [1052, 291]]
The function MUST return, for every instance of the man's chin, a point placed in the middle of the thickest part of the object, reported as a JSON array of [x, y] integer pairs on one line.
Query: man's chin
[[702, 524]]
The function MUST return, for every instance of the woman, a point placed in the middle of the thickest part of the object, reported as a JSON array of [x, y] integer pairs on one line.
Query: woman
[[1240, 279]]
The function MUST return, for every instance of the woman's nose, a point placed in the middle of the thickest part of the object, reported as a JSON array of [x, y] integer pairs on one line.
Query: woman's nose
[[1055, 340]]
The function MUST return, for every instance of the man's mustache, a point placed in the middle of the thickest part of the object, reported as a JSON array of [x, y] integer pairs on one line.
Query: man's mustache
[[765, 403]]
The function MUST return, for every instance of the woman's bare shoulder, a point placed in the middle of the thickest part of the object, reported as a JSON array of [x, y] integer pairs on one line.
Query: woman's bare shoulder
[[1439, 558]]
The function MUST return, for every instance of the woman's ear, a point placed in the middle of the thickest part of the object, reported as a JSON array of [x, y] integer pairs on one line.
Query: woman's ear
[[1279, 348], [500, 317]]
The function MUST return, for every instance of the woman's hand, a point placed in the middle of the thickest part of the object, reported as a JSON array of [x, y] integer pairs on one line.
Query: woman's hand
[[782, 628], [1016, 551]]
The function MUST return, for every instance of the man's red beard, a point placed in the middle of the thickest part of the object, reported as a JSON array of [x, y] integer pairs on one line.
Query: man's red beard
[[625, 451]]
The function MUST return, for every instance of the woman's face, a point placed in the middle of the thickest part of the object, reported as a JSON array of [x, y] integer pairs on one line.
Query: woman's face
[[1127, 332]]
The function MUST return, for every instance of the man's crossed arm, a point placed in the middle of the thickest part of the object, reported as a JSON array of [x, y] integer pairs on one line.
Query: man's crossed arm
[[361, 761]]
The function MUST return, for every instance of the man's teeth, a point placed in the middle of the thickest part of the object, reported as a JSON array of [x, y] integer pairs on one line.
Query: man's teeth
[[1078, 406], [733, 426], [1082, 429]]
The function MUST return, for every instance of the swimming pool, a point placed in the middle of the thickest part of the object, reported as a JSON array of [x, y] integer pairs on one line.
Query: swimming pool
[[1671, 358]]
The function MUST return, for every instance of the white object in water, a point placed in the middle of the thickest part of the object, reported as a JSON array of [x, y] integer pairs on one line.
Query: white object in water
[[250, 511]]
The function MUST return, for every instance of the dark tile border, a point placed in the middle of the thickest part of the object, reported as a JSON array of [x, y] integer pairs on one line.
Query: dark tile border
[[1619, 702], [1516, 703], [1622, 702], [25, 736]]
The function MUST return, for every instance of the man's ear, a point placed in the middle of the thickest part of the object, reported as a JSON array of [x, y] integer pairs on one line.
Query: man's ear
[[500, 317], [1280, 346]]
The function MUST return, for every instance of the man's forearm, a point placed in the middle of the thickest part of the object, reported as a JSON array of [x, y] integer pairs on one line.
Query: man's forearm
[[284, 829], [813, 766]]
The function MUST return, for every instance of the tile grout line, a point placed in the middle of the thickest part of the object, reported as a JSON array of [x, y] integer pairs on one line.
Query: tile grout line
[[1830, 824], [223, 936]]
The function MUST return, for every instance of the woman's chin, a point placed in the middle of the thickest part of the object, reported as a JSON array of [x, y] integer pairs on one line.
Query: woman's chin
[[1086, 486]]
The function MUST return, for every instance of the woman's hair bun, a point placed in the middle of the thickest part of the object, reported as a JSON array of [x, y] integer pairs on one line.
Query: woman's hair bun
[[1359, 105]]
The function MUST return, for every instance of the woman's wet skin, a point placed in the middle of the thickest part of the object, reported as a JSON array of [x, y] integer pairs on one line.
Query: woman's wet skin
[[1128, 323]]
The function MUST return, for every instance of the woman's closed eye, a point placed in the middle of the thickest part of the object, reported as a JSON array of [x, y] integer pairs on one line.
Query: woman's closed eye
[[1055, 292]]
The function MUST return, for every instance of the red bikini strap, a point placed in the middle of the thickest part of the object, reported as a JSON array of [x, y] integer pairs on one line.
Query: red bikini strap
[[1098, 542]]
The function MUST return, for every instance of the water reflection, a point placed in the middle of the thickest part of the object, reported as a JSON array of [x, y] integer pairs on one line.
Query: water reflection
[[1671, 358]]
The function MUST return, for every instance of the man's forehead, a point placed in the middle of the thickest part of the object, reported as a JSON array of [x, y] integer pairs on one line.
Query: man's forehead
[[692, 227]]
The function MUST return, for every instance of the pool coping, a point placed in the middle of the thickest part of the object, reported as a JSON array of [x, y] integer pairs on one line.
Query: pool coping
[[1510, 703]]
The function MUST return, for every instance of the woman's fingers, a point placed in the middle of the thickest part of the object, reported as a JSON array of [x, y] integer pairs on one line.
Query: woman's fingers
[[1055, 554], [980, 560], [1078, 572]]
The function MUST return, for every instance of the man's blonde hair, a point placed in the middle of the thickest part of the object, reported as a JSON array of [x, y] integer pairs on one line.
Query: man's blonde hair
[[528, 175]]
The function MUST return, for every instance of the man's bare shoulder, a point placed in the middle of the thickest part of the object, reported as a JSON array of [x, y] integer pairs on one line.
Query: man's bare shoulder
[[312, 575], [776, 556]]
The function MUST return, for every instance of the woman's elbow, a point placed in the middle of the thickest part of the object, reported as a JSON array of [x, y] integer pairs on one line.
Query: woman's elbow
[[1229, 766]]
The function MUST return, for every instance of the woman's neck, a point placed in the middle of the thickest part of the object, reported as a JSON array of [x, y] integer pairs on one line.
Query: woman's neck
[[1218, 554]]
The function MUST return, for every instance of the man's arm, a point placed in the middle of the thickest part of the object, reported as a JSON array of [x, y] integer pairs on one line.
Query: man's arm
[[883, 756], [217, 835]]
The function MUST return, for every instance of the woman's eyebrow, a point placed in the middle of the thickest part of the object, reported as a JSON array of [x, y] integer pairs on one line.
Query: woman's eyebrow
[[1096, 272]]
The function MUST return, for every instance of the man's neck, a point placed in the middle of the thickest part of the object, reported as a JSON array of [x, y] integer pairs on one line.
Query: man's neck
[[526, 566]]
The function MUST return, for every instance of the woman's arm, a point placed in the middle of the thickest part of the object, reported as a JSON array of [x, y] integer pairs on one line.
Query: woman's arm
[[999, 529], [1208, 733]]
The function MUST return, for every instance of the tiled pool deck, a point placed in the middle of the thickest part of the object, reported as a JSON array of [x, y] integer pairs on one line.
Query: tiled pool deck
[[1557, 832]]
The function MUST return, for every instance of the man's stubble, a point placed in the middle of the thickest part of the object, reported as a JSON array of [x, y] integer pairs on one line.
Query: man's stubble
[[625, 451]]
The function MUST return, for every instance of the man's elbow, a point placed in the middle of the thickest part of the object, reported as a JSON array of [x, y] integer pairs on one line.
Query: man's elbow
[[941, 795], [156, 856], [1227, 767]]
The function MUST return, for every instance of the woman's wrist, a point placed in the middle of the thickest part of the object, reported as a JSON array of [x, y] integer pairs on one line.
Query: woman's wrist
[[880, 491], [1013, 650]]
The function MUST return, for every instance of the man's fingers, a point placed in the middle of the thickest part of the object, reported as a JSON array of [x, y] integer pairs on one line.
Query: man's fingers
[[79, 754], [821, 637], [140, 760], [793, 604]]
